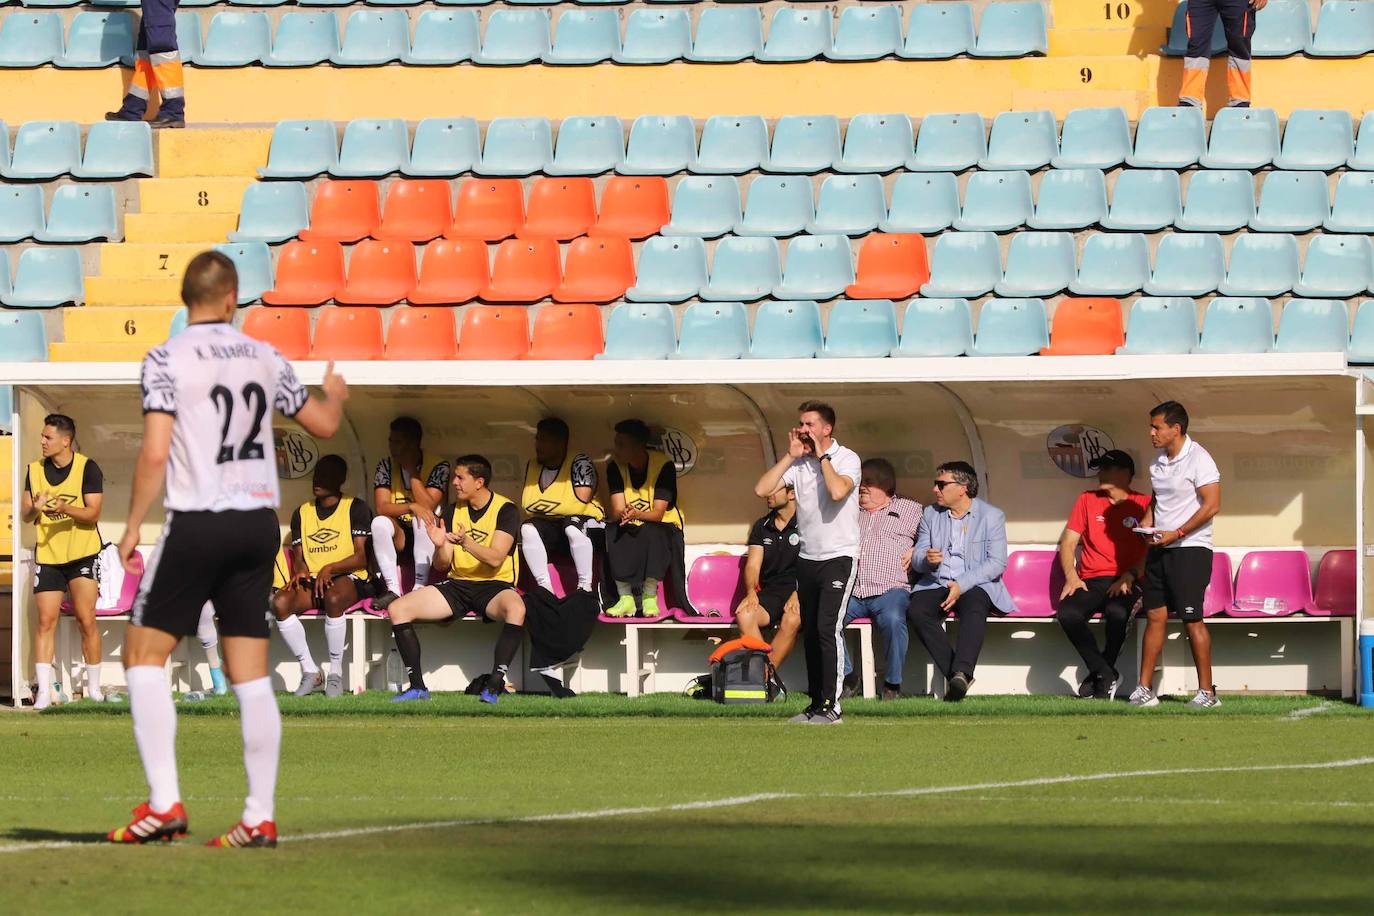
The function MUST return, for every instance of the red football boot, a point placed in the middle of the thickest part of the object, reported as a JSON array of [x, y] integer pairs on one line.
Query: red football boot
[[149, 826], [264, 835]]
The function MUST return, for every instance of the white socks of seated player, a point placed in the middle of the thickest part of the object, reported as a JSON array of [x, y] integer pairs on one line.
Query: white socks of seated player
[[581, 547], [385, 549], [293, 634], [155, 733], [335, 629], [536, 557], [93, 691], [261, 721], [208, 635], [43, 674]]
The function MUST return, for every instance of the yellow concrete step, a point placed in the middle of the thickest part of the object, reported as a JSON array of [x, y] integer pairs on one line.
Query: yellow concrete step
[[1104, 42], [108, 291], [191, 195], [212, 151], [210, 228], [1117, 14], [1080, 73], [146, 325], [1062, 102], [6, 463], [150, 260], [99, 352]]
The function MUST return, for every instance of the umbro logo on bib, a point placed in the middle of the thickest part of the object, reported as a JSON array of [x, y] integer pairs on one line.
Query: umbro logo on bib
[[478, 536], [324, 536], [542, 506]]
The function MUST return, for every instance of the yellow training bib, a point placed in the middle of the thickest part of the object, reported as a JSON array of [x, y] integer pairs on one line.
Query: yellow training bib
[[642, 498], [61, 540], [400, 489], [325, 541], [558, 500], [466, 567]]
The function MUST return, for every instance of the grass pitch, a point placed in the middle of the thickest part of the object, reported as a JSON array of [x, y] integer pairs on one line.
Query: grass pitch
[[602, 804]]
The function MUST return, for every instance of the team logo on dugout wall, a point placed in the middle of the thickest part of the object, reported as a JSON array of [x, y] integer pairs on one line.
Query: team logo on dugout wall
[[679, 447], [1072, 447], [296, 452]]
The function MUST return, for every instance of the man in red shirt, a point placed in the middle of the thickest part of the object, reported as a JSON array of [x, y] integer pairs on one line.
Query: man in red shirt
[[1105, 575]]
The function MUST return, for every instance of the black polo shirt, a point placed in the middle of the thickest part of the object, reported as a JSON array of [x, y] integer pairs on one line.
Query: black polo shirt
[[780, 550]]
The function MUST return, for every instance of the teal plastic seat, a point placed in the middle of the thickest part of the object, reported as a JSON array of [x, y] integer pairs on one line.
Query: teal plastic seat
[[949, 143], [1292, 202], [1283, 28], [44, 150], [1237, 325], [1187, 265], [849, 205], [727, 36], [373, 38], [1177, 43], [797, 34], [1353, 210], [1112, 264], [253, 262], [1336, 267], [255, 3], [787, 330], [995, 202], [1242, 138], [705, 207], [1261, 265], [236, 40], [46, 278], [939, 31], [1012, 30], [1070, 199], [516, 146], [514, 37], [660, 145], [1038, 264], [81, 213], [1313, 326], [373, 147], [1021, 140], [640, 330], [936, 327], [97, 40], [588, 145], [732, 145], [272, 212], [964, 265], [861, 328], [818, 267], [22, 340], [670, 269], [444, 147], [443, 38], [21, 214], [304, 40], [1218, 201], [30, 39], [1011, 327], [877, 143], [1362, 335], [867, 33], [1169, 138], [1161, 325], [714, 330], [743, 269], [805, 144], [1344, 29], [927, 203], [1145, 200], [655, 37], [585, 37], [178, 324], [188, 37], [1320, 140], [1093, 138], [301, 149], [1363, 159], [117, 149]]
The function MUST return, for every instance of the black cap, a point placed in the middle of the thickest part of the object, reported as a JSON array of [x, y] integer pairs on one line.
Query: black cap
[[1114, 458]]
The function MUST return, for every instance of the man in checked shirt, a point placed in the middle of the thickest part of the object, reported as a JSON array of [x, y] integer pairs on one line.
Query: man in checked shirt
[[887, 535]]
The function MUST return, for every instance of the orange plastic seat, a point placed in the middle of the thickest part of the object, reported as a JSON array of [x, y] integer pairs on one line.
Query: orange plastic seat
[[416, 210], [490, 209], [598, 270], [559, 208], [633, 206], [567, 332], [308, 273], [890, 267], [422, 333], [524, 270], [452, 271], [1086, 327], [345, 333], [494, 332], [343, 211], [286, 329], [379, 273]]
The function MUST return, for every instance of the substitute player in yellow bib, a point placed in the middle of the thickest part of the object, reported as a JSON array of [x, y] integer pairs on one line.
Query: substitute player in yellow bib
[[62, 497], [476, 545], [408, 486], [562, 515]]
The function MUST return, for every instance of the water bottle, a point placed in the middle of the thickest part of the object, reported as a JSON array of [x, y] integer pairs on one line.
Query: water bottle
[[1367, 662], [394, 671]]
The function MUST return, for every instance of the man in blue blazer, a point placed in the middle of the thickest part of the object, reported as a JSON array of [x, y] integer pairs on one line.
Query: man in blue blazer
[[960, 555]]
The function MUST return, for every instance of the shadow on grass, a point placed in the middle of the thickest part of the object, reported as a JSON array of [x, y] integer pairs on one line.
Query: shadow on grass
[[42, 835]]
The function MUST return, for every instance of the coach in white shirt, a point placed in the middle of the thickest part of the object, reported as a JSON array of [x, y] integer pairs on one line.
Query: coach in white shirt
[[1178, 568], [825, 477]]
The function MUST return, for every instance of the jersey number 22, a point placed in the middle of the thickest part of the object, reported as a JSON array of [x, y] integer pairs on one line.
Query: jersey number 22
[[255, 400]]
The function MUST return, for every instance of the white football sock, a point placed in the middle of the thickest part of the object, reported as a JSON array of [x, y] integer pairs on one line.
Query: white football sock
[[535, 557], [155, 733], [208, 635], [423, 554], [261, 722], [93, 691], [582, 554], [293, 634], [335, 629], [385, 551], [43, 674]]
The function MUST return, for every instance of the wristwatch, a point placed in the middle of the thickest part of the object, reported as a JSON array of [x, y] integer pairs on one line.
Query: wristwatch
[[825, 457]]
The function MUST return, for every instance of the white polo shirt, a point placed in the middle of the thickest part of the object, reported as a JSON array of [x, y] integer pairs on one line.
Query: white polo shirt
[[1175, 484], [828, 529]]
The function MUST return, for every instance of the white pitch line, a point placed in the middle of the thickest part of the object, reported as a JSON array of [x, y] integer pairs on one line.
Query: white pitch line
[[1309, 711]]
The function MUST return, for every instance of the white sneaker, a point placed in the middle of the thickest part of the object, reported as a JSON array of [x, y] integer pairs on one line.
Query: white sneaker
[[1205, 700], [1143, 696], [42, 701]]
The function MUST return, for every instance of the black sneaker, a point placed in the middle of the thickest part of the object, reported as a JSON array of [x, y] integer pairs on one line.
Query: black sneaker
[[958, 686], [891, 692], [804, 717], [1106, 687], [851, 687], [384, 600], [163, 121], [827, 714], [121, 116], [1088, 689]]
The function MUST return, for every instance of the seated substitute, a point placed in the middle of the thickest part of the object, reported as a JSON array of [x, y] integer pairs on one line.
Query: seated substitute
[[475, 545], [882, 587], [562, 514], [961, 553], [770, 576], [406, 486], [329, 559], [1109, 565]]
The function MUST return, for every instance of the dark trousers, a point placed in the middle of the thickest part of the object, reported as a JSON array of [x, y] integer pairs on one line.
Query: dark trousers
[[823, 588], [1238, 22], [1076, 610], [926, 617]]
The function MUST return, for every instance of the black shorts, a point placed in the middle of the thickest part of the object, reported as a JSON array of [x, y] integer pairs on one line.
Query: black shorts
[[774, 600], [224, 557], [366, 588], [1177, 578], [470, 597], [53, 577]]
